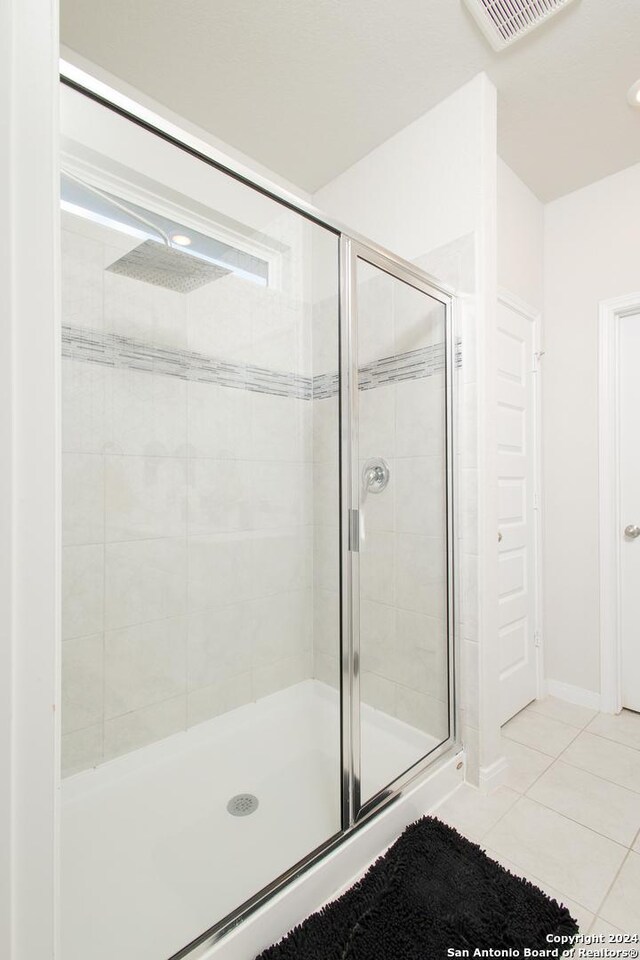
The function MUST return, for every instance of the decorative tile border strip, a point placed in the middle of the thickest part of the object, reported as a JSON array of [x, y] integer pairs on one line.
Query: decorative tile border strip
[[325, 385], [114, 350], [412, 365]]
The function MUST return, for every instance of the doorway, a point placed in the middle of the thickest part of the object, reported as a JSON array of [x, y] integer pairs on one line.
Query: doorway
[[619, 344], [518, 506]]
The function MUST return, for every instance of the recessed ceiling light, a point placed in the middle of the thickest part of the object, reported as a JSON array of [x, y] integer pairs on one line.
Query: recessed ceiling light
[[633, 95], [181, 240]]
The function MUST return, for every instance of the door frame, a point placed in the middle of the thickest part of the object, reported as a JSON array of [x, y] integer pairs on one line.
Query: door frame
[[352, 250], [610, 312], [510, 300]]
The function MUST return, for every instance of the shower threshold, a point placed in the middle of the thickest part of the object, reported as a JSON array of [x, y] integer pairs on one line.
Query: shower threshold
[[151, 856]]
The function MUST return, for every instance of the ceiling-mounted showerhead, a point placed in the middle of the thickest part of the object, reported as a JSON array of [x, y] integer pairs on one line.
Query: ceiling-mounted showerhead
[[160, 259], [170, 267]]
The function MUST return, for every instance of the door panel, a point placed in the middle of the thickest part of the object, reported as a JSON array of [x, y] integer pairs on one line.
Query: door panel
[[400, 490], [630, 508], [200, 478], [516, 515]]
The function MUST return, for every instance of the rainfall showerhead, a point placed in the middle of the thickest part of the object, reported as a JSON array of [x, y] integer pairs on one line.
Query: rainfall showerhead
[[167, 266], [160, 258]]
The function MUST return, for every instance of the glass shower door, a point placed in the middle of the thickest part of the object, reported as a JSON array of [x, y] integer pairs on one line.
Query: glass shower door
[[200, 562], [399, 537]]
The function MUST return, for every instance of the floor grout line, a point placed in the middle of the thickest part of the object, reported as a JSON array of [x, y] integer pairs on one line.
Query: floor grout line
[[611, 885], [553, 757], [598, 776], [540, 713], [502, 815], [546, 770], [611, 739], [616, 783], [482, 841], [521, 744], [525, 795], [539, 882], [573, 820], [554, 760], [560, 758]]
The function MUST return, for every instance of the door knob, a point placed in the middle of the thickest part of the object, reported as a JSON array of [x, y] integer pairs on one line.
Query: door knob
[[631, 531]]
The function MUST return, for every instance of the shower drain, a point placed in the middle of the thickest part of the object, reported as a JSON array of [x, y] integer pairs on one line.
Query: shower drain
[[242, 805]]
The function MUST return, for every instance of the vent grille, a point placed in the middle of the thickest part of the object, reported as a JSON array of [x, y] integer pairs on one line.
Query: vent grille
[[504, 21]]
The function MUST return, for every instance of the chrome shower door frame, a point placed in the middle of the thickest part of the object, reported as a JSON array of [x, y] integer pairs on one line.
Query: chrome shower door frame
[[354, 814], [352, 250]]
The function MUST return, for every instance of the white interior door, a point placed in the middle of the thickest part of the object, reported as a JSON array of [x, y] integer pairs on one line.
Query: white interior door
[[630, 509], [516, 433]]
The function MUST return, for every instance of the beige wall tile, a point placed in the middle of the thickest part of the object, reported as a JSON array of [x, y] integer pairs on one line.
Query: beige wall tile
[[82, 683], [82, 749], [144, 664], [82, 590], [145, 497], [134, 730], [82, 498], [204, 703], [145, 580]]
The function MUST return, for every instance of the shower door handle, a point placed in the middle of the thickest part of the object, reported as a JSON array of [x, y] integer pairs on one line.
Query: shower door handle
[[354, 531]]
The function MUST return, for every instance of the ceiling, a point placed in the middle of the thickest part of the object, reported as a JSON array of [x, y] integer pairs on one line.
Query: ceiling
[[307, 87]]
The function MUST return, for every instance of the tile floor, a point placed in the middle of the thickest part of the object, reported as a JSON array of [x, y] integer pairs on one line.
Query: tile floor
[[568, 816]]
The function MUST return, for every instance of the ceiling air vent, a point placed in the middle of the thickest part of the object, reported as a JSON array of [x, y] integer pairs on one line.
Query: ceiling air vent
[[504, 21]]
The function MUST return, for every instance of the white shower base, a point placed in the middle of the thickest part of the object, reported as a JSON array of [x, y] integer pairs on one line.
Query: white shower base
[[150, 856]]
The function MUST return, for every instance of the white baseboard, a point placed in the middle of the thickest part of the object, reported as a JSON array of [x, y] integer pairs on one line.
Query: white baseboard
[[493, 776], [577, 695]]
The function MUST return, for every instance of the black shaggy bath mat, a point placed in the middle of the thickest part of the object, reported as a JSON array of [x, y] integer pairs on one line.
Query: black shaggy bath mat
[[432, 893]]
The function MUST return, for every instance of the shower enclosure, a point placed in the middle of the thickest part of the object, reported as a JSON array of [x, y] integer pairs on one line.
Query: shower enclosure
[[258, 610]]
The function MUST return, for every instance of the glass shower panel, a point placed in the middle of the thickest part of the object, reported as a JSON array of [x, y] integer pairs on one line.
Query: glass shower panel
[[201, 569], [402, 501]]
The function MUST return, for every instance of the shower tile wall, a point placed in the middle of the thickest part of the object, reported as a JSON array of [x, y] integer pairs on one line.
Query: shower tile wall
[[403, 635], [326, 571], [201, 538], [187, 508], [402, 569]]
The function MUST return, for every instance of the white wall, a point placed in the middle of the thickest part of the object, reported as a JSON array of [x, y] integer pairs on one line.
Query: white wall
[[28, 483], [520, 239], [592, 238], [6, 490], [6, 493], [429, 195], [421, 188]]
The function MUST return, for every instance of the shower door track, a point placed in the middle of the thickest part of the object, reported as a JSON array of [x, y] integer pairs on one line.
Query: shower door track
[[354, 815]]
